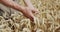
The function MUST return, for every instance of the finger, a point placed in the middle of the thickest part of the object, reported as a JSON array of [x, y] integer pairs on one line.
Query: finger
[[31, 17], [35, 11]]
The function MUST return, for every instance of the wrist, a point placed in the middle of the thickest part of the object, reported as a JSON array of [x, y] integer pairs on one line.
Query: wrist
[[22, 8], [18, 7]]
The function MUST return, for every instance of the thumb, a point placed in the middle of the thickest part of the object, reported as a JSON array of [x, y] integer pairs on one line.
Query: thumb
[[35, 11]]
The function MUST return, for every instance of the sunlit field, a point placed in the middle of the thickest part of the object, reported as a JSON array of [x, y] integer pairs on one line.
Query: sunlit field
[[47, 20]]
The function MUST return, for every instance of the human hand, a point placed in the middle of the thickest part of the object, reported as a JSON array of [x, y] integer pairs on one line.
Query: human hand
[[28, 13]]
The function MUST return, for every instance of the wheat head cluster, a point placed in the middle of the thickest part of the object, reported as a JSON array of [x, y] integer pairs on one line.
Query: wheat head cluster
[[47, 20]]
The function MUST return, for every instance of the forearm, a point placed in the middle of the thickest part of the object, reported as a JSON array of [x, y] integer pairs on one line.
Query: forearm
[[28, 3], [12, 4]]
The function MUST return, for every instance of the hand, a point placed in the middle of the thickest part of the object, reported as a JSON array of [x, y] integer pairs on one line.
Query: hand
[[28, 13]]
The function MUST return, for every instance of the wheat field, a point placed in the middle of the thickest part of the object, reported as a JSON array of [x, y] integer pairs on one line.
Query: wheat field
[[48, 20]]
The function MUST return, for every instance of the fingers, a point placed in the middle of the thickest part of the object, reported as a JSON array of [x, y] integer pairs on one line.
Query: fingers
[[31, 16], [35, 11], [29, 13]]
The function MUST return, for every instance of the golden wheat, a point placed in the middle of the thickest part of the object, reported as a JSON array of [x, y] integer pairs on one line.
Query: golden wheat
[[48, 20]]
